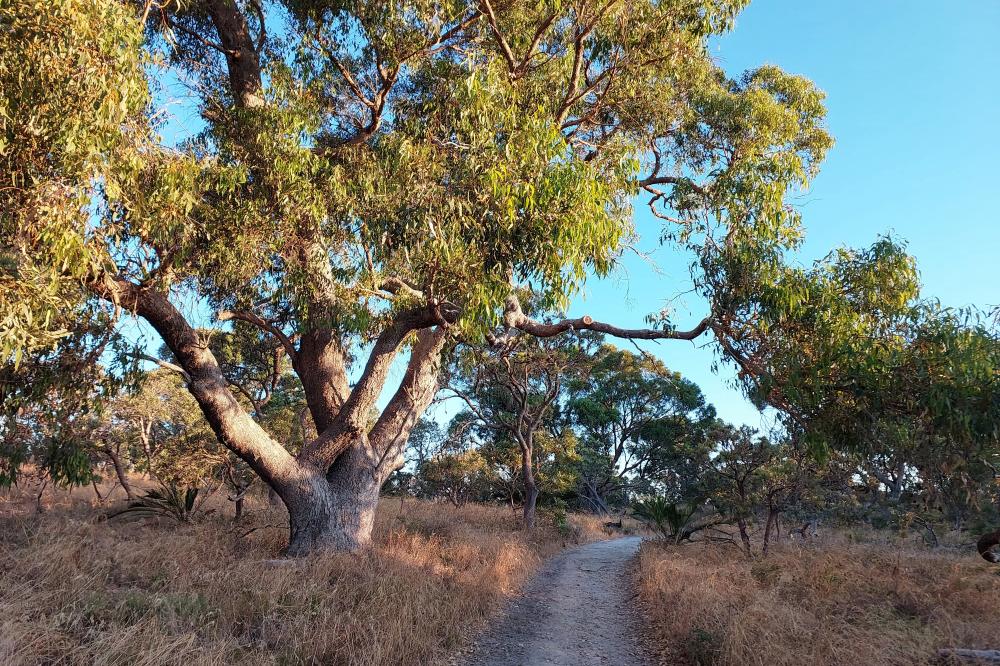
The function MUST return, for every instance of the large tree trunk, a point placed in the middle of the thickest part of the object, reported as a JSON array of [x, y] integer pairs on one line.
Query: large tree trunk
[[337, 512], [333, 516]]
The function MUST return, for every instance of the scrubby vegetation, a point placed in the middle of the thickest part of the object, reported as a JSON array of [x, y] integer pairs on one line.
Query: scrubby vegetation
[[848, 598], [75, 589]]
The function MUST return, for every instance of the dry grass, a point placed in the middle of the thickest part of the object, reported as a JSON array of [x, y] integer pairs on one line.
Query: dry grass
[[74, 590], [828, 603]]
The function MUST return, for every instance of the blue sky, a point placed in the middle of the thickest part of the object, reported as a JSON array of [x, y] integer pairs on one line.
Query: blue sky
[[914, 105]]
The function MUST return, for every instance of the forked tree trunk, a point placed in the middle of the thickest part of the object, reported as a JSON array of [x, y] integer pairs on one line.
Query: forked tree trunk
[[338, 511]]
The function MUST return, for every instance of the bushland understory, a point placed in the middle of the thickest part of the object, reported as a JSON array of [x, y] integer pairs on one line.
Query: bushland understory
[[75, 589], [79, 589], [839, 600]]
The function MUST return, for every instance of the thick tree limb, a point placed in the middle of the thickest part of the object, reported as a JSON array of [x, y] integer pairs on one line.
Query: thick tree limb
[[230, 422], [416, 390], [242, 58], [501, 40], [514, 317]]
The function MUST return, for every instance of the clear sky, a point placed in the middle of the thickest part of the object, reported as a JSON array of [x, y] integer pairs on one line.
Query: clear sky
[[913, 92]]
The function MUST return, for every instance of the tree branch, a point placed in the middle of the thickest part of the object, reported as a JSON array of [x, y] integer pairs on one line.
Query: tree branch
[[264, 325], [514, 317], [165, 365]]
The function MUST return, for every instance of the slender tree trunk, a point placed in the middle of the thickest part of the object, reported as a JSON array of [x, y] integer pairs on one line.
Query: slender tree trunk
[[772, 519], [120, 471], [745, 537], [896, 489], [530, 486], [39, 507], [144, 432]]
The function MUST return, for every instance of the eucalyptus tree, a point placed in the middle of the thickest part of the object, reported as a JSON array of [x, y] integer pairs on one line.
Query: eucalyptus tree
[[373, 177], [754, 478], [637, 419], [512, 387], [858, 362]]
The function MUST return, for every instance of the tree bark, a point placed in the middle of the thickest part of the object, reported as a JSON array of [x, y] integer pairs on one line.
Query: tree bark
[[745, 537], [119, 471], [530, 486], [334, 512]]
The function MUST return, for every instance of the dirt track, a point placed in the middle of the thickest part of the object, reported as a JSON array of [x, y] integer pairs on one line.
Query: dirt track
[[576, 611]]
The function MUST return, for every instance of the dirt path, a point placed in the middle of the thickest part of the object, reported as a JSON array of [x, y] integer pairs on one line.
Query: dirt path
[[576, 611]]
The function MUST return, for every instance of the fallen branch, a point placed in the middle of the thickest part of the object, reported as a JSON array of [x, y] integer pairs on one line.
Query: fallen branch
[[963, 655]]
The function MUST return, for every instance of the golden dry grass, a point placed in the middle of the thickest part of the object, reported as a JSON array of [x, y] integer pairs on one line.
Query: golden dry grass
[[827, 603], [74, 590]]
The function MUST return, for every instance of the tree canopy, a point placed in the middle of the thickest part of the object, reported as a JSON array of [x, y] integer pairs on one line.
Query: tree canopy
[[373, 177]]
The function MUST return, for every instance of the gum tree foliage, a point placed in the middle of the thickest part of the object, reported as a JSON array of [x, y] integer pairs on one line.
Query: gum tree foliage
[[375, 177], [635, 418], [858, 362]]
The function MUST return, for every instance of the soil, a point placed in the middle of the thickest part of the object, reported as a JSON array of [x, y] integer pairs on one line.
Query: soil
[[576, 611]]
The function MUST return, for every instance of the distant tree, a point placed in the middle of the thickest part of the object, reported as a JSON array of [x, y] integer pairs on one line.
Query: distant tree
[[754, 480], [511, 387], [635, 418], [457, 475]]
